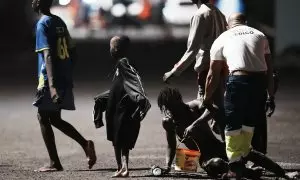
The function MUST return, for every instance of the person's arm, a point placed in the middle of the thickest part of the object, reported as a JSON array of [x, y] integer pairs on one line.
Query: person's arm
[[171, 140], [50, 74], [216, 69], [270, 70], [196, 35], [42, 46], [270, 75], [212, 80], [208, 114], [270, 103]]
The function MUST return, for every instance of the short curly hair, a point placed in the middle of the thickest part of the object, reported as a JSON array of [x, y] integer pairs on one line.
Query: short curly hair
[[168, 96], [119, 45]]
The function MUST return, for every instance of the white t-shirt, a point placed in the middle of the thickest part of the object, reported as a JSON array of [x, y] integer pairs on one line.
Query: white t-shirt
[[243, 48]]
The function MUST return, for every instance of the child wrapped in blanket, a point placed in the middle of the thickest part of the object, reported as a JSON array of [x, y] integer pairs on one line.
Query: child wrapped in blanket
[[125, 104]]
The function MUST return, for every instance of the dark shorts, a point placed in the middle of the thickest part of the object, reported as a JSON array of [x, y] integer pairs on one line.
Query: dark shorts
[[243, 98], [44, 102]]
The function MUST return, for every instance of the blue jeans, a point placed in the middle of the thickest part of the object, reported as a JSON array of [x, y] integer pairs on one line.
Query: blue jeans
[[242, 103]]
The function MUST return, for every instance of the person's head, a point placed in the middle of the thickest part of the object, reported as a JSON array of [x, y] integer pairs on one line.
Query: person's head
[[215, 167], [41, 5], [198, 1], [119, 46], [169, 98], [236, 19]]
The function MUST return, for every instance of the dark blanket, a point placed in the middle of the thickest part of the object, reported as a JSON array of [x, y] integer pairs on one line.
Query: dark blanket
[[125, 104], [99, 108]]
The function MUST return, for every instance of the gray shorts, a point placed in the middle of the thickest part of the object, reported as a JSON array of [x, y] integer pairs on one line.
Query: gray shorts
[[44, 102]]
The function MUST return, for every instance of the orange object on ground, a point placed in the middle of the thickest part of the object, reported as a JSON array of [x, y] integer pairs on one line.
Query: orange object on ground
[[187, 160]]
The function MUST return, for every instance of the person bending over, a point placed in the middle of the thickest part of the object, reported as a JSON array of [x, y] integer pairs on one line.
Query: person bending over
[[189, 122]]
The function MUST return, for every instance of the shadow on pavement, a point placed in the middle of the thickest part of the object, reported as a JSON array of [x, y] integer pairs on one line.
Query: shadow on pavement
[[111, 169], [292, 170], [178, 175], [204, 176]]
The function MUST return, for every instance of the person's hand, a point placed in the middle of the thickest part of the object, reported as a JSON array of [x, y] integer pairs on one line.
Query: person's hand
[[166, 169], [54, 96], [270, 106], [167, 76], [98, 124], [206, 102], [188, 131], [56, 99]]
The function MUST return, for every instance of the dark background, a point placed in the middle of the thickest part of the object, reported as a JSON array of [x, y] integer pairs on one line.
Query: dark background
[[152, 58]]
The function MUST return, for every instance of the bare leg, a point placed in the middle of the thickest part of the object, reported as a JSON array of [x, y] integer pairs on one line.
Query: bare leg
[[69, 130], [265, 162], [49, 140], [125, 155], [118, 154]]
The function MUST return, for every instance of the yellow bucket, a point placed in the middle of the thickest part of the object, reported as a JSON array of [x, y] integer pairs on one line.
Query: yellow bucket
[[187, 160]]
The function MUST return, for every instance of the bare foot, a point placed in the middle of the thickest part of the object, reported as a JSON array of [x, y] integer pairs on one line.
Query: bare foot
[[90, 153], [292, 175], [125, 173], [48, 169], [118, 173]]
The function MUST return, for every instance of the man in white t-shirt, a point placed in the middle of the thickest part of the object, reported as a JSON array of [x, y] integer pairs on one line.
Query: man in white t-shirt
[[246, 54]]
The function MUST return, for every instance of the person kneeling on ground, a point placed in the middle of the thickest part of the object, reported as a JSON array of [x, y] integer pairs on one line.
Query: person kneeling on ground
[[187, 120]]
